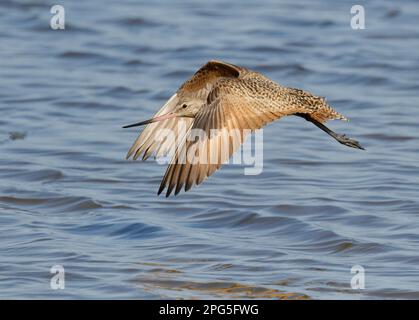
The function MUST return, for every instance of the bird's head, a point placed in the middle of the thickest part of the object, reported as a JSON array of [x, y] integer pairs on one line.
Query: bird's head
[[186, 108]]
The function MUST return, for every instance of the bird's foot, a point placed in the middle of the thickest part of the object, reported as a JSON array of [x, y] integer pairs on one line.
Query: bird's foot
[[343, 139]]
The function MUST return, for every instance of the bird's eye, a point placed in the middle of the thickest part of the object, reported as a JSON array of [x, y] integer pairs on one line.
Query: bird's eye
[[184, 106]]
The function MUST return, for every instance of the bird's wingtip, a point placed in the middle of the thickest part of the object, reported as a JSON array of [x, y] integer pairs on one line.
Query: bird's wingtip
[[160, 190]]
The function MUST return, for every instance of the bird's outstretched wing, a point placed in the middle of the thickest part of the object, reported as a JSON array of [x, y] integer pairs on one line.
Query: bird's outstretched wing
[[147, 143], [203, 81], [197, 87], [232, 111]]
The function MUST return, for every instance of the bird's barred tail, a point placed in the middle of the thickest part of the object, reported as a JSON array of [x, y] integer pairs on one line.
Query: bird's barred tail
[[315, 106], [325, 113]]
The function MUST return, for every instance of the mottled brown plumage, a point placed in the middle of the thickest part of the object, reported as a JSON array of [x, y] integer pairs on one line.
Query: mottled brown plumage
[[229, 98]]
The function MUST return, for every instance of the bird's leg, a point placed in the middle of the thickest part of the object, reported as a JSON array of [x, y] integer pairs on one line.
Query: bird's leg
[[341, 138]]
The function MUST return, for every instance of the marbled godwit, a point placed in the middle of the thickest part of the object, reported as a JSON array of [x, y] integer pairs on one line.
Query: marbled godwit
[[223, 96]]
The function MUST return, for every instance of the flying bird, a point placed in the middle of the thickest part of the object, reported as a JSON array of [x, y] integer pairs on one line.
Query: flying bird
[[222, 98]]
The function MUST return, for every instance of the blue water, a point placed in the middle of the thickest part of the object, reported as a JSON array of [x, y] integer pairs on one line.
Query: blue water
[[68, 197]]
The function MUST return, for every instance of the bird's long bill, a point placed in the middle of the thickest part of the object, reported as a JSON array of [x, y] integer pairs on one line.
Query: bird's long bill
[[155, 119]]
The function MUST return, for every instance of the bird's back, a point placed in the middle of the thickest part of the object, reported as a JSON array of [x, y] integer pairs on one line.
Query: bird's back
[[267, 95]]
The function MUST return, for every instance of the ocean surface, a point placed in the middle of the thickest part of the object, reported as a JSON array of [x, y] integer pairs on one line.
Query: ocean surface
[[68, 197]]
